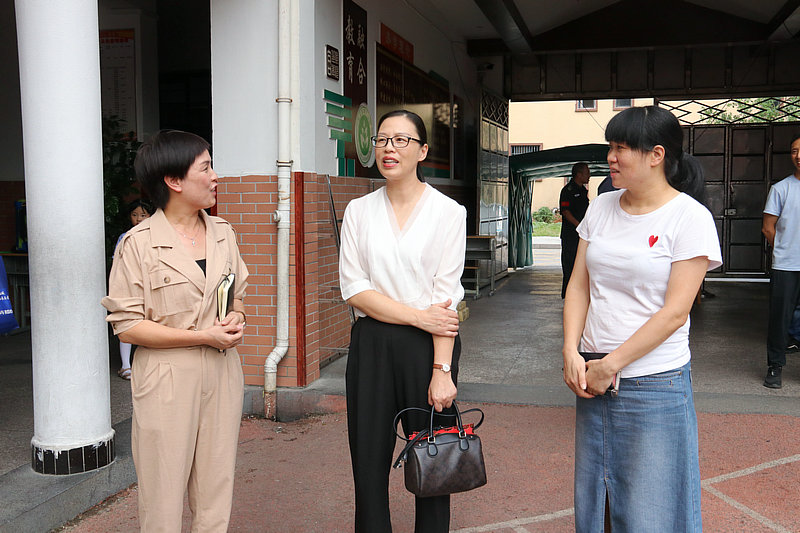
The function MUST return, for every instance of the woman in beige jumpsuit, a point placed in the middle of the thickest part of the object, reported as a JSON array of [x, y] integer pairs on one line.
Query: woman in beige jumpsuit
[[186, 378]]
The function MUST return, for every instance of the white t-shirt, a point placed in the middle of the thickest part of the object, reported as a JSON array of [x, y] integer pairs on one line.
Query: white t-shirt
[[629, 259], [418, 266]]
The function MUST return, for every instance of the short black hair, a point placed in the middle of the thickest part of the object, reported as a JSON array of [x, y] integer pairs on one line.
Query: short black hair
[[416, 120], [577, 167], [168, 153], [132, 206]]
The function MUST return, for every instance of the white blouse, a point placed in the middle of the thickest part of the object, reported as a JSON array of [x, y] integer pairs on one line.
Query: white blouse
[[417, 266]]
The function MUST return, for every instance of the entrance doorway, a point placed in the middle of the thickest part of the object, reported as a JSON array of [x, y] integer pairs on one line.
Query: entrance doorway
[[740, 163]]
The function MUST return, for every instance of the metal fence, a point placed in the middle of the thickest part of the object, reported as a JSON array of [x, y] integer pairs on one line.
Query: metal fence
[[764, 110]]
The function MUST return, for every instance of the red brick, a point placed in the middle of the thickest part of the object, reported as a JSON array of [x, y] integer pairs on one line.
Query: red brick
[[250, 379], [240, 187], [241, 208]]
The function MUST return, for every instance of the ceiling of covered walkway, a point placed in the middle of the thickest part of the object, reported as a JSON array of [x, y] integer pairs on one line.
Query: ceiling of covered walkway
[[631, 48]]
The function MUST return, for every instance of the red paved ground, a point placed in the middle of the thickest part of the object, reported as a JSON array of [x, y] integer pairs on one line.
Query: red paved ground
[[295, 477]]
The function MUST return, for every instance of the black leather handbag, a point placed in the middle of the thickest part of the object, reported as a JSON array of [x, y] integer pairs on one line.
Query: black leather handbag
[[442, 460]]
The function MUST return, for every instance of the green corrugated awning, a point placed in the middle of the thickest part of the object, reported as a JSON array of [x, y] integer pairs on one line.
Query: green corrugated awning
[[555, 163], [558, 162]]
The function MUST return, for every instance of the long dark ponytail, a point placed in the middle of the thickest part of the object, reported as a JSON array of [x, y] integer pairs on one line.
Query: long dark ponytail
[[642, 128], [422, 132]]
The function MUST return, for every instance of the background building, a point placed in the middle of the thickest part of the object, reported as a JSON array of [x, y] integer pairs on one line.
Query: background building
[[535, 126]]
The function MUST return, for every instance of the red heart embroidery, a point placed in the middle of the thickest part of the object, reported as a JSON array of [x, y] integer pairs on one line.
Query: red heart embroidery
[[653, 240]]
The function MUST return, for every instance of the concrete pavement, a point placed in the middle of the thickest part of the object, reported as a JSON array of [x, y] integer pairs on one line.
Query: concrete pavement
[[295, 476]]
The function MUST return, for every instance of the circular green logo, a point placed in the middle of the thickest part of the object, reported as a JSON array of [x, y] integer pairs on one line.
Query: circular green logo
[[362, 127]]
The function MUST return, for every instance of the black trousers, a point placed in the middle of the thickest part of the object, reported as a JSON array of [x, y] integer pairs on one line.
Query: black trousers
[[784, 294], [568, 252], [388, 369]]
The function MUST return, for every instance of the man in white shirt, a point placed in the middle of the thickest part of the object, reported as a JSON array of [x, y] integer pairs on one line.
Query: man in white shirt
[[781, 227]]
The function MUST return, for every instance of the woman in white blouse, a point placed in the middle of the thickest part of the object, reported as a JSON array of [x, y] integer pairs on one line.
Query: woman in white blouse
[[400, 268]]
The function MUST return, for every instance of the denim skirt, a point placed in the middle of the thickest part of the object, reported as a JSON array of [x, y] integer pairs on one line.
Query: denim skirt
[[641, 449]]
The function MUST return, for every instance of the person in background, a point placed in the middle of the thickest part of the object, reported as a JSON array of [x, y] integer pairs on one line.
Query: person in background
[[643, 253], [137, 212], [606, 185], [187, 383], [400, 268], [573, 201], [781, 227], [793, 346]]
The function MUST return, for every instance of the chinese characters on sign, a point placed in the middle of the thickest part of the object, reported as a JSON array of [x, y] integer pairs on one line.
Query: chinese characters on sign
[[394, 42], [400, 85], [355, 49], [354, 67], [332, 62], [118, 75]]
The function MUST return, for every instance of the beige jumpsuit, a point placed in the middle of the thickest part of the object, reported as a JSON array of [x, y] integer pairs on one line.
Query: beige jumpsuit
[[187, 402]]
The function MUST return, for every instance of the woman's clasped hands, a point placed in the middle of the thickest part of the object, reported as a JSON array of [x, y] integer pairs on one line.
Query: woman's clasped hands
[[228, 333], [587, 378]]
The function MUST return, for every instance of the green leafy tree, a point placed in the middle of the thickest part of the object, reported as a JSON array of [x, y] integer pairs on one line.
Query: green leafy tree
[[119, 151], [544, 214]]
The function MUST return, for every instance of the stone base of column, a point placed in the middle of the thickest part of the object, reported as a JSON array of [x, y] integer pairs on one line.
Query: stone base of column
[[74, 461]]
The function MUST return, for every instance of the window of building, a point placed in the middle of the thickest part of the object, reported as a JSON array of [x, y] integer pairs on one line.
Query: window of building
[[622, 103], [517, 149], [586, 105]]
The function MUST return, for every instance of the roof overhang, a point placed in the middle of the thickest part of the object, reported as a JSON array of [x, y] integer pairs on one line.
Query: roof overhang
[[631, 48], [557, 162]]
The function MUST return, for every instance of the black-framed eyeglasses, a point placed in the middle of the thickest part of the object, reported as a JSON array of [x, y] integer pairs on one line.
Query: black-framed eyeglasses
[[398, 141]]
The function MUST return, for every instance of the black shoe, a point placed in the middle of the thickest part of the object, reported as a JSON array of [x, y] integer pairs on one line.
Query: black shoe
[[773, 379], [793, 346]]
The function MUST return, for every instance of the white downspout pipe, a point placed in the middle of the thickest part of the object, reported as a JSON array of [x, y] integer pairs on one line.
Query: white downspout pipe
[[282, 216]]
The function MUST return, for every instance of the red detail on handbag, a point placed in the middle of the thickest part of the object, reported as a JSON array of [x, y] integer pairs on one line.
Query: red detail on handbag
[[653, 240], [452, 429]]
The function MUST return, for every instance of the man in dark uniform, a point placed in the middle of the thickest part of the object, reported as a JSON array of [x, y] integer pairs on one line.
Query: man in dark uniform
[[606, 186], [573, 202]]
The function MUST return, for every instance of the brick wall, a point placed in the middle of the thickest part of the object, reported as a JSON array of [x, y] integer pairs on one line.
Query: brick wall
[[248, 202], [10, 192], [319, 322], [334, 315]]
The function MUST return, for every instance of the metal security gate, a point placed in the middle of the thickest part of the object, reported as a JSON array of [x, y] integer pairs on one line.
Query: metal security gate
[[493, 181], [741, 161]]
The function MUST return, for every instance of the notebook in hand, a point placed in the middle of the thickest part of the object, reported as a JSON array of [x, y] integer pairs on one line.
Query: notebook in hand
[[225, 295], [591, 356]]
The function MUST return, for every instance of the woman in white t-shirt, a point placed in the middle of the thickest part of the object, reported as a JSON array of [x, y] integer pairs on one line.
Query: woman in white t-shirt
[[643, 254], [400, 268]]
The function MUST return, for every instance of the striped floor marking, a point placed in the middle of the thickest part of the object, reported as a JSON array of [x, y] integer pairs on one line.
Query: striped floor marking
[[763, 520], [516, 525]]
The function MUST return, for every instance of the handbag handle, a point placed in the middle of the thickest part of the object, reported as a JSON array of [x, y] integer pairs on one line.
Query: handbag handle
[[427, 433], [433, 412], [459, 423]]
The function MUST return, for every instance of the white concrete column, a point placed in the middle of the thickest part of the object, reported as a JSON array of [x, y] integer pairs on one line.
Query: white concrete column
[[60, 87]]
